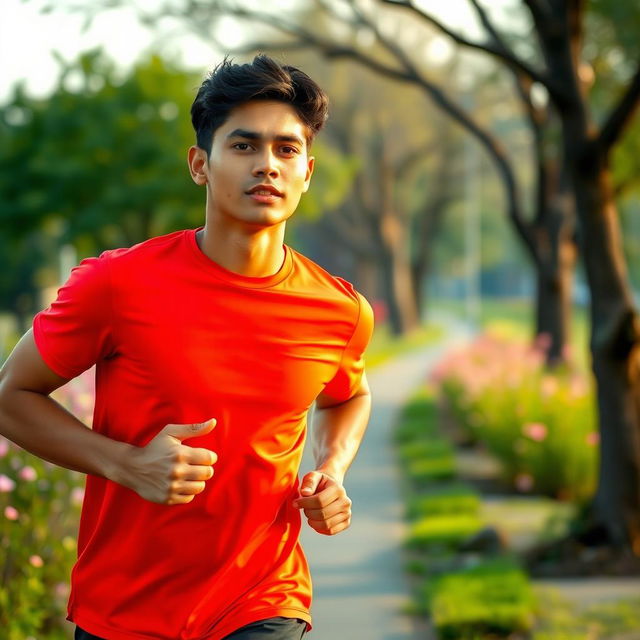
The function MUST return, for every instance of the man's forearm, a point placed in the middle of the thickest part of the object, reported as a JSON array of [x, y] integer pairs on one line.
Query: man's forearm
[[37, 423], [337, 433]]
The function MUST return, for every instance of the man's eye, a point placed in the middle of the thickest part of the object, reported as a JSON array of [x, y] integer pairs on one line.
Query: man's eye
[[289, 150], [241, 146]]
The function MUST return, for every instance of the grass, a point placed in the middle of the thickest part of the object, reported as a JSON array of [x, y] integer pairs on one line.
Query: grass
[[559, 619], [384, 345], [493, 597], [438, 530], [448, 499]]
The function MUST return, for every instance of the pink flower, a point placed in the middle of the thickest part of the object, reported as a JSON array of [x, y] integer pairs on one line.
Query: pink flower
[[535, 430], [77, 495], [28, 473], [6, 484], [4, 446], [36, 561], [592, 438], [11, 513], [524, 482]]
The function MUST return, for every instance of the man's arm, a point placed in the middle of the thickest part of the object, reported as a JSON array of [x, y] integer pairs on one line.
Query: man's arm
[[163, 471], [338, 430]]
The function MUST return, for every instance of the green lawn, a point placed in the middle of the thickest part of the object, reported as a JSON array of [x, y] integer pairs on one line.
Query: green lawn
[[384, 345]]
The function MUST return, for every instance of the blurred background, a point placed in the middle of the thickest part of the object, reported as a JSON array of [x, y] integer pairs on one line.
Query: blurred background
[[478, 174]]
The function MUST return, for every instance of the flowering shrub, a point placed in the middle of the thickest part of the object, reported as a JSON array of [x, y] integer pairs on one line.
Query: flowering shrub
[[540, 424], [39, 509]]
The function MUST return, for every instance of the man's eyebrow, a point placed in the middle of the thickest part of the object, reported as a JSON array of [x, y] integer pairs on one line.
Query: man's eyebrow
[[254, 135]]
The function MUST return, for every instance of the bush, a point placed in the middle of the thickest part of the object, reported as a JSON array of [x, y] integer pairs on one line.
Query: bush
[[445, 499], [447, 529], [39, 511], [494, 597], [539, 424]]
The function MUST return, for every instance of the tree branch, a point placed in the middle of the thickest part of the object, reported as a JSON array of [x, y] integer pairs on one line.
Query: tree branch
[[408, 73], [499, 51], [306, 39], [621, 114], [538, 11]]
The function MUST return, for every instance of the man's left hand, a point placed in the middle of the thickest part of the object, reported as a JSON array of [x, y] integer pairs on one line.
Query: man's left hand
[[325, 503]]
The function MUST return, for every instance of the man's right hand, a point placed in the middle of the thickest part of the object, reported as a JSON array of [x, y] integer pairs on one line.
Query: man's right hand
[[165, 470]]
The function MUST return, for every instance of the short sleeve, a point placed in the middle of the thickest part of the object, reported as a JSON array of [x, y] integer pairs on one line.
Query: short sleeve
[[75, 331], [347, 379]]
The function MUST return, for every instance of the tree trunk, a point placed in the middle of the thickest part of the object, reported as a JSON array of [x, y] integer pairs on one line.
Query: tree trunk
[[553, 310], [615, 349], [388, 291], [419, 271], [397, 289], [555, 269]]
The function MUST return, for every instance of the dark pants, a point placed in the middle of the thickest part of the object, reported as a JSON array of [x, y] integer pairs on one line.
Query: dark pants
[[272, 628]]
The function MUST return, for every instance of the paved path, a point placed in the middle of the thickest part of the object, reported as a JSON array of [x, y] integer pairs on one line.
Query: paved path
[[358, 579]]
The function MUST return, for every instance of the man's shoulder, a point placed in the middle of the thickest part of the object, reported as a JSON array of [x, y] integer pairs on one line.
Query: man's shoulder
[[320, 280], [155, 247]]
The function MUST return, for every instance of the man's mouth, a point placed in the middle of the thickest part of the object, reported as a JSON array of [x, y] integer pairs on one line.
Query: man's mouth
[[264, 190]]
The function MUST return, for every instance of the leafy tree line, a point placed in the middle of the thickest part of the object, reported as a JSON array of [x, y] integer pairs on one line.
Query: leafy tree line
[[101, 163]]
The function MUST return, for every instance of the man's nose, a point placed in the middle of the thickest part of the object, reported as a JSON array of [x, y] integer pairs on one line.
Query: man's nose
[[266, 165]]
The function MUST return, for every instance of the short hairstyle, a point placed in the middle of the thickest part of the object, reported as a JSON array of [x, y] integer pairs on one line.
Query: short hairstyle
[[230, 85]]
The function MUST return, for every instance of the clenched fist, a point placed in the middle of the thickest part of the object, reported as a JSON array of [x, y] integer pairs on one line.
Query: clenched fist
[[325, 503], [165, 470]]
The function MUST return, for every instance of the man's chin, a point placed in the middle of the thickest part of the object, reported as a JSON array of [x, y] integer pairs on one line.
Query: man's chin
[[265, 217]]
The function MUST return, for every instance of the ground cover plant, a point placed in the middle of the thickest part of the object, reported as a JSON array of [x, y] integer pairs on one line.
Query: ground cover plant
[[540, 424], [39, 511], [468, 582]]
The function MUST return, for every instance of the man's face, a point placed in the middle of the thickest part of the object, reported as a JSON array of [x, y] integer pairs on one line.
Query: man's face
[[258, 167]]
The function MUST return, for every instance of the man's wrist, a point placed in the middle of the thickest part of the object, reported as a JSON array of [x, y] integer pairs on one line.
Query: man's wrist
[[332, 470], [118, 463]]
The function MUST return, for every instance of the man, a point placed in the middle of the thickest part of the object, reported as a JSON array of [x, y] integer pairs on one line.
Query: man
[[210, 347]]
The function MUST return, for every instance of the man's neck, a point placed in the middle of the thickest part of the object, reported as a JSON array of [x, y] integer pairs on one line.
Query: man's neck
[[255, 255]]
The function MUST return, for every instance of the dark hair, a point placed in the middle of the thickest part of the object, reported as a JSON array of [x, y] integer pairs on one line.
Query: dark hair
[[230, 85]]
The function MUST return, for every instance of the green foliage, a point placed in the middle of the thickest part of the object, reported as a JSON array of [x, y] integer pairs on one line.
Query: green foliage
[[539, 424], [447, 529], [102, 163], [384, 345], [432, 448], [493, 597], [560, 619], [332, 178], [104, 154], [424, 470], [39, 510], [37, 533], [454, 497]]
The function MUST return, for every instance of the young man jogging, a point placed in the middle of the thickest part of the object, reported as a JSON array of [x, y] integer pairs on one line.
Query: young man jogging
[[210, 347]]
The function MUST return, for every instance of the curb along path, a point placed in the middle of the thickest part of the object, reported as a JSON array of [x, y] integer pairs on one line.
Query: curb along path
[[359, 585]]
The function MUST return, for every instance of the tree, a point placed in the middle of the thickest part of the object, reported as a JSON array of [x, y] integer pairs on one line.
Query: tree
[[101, 163]]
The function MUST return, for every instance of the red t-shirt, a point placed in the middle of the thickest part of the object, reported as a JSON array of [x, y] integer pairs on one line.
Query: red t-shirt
[[179, 339]]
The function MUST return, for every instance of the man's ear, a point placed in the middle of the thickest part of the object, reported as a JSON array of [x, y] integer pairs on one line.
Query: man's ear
[[197, 159], [311, 161]]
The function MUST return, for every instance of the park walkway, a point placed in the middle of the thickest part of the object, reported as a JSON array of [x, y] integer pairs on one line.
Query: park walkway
[[359, 584]]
